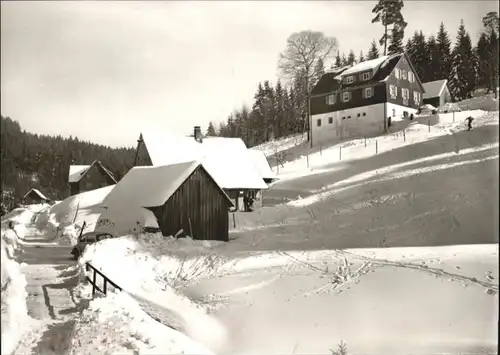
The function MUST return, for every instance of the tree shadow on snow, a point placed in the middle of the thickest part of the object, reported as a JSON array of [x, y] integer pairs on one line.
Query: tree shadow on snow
[[439, 145], [458, 205]]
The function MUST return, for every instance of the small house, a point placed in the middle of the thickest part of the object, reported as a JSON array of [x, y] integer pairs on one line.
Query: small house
[[34, 196], [183, 197], [83, 178], [436, 93], [227, 160]]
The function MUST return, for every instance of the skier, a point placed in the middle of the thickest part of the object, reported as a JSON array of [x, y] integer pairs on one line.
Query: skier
[[469, 122]]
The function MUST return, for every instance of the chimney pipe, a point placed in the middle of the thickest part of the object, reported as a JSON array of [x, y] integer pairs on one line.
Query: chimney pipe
[[197, 134]]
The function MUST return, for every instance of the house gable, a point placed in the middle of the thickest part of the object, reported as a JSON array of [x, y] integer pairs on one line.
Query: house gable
[[198, 206], [396, 84]]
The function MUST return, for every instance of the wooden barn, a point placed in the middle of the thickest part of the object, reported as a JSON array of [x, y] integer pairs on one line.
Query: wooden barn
[[182, 196], [436, 93], [82, 178], [227, 160], [34, 196]]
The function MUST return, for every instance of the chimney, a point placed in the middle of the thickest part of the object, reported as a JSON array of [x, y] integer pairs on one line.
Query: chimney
[[197, 134]]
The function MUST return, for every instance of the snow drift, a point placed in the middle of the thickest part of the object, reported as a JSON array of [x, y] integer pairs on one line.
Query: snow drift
[[15, 317], [151, 268]]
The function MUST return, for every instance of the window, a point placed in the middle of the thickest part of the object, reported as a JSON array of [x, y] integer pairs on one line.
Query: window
[[346, 96], [349, 79], [318, 122], [364, 113], [367, 93], [397, 73], [404, 74], [359, 115], [416, 97], [330, 120], [393, 90], [365, 76], [411, 77], [330, 99], [405, 93]]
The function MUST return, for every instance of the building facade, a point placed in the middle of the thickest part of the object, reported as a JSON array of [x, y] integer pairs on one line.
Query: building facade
[[359, 100]]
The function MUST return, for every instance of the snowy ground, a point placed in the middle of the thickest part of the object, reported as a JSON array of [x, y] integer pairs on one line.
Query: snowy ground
[[297, 277]]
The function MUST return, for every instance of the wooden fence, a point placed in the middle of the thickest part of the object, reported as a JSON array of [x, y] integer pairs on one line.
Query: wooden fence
[[106, 280]]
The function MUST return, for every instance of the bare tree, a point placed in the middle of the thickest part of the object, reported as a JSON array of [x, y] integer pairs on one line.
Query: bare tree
[[303, 50]]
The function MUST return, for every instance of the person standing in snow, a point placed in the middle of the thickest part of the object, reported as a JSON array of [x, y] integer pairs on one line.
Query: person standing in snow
[[469, 122]]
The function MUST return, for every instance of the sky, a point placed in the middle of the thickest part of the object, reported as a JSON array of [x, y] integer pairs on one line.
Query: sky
[[103, 70]]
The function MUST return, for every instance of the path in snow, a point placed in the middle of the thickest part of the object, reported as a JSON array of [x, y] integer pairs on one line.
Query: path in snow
[[49, 298]]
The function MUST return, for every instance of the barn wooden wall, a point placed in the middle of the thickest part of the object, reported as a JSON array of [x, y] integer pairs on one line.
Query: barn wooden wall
[[198, 207]]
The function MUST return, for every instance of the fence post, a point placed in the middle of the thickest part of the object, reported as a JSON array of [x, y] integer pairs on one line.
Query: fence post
[[404, 135], [376, 147], [307, 160], [365, 141], [93, 282], [104, 288], [234, 221], [320, 150], [340, 153], [453, 116], [429, 124]]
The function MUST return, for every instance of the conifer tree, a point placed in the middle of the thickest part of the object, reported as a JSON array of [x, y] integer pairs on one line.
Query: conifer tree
[[434, 60], [211, 132], [319, 71], [351, 59], [373, 53], [388, 13], [344, 60], [396, 40], [463, 74], [361, 57], [338, 61], [443, 43]]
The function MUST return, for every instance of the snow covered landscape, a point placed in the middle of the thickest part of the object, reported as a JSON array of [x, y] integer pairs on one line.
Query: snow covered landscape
[[158, 199], [295, 274]]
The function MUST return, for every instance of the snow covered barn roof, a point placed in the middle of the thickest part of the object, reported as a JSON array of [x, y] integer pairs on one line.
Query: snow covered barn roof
[[76, 172], [226, 159], [38, 193], [262, 164], [150, 186], [434, 88]]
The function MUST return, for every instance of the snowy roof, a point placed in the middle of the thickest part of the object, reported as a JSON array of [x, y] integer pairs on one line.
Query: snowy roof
[[262, 164], [427, 107], [76, 172], [149, 186], [366, 65], [42, 196], [434, 88], [226, 159]]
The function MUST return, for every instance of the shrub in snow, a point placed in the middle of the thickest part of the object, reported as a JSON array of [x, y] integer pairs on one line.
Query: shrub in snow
[[14, 310]]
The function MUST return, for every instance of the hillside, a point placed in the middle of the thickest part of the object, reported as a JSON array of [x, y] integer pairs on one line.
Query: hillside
[[39, 161]]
